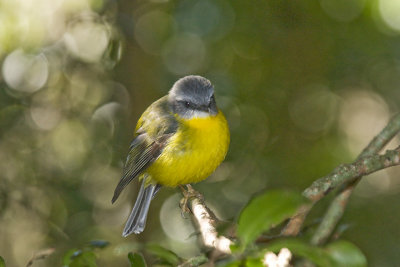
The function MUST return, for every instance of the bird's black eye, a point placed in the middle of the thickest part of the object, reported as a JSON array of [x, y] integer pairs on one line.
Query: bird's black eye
[[187, 104]]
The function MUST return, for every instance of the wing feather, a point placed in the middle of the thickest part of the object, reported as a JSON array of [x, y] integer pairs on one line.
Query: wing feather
[[141, 154], [153, 130]]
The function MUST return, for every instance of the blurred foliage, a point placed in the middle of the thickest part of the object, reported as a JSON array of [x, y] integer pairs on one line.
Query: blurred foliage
[[276, 206], [166, 256], [136, 260], [304, 84], [338, 253], [85, 257]]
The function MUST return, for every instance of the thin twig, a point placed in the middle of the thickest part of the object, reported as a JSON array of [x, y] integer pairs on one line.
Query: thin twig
[[40, 255], [383, 138], [339, 203], [348, 173], [206, 221], [341, 175], [195, 261], [293, 227], [333, 215]]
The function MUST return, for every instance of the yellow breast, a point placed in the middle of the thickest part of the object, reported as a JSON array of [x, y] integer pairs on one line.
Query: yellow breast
[[193, 152]]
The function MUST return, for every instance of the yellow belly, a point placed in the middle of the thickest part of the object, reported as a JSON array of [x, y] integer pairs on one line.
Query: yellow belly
[[193, 153]]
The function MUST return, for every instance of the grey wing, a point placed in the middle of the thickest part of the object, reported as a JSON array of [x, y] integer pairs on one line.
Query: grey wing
[[149, 142], [142, 153]]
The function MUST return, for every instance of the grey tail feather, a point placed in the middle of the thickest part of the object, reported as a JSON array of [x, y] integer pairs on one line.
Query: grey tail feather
[[137, 219], [158, 187]]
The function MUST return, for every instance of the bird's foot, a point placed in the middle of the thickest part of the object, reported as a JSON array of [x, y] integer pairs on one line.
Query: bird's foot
[[187, 195]]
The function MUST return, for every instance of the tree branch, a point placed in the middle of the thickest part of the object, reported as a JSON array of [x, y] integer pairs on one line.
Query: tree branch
[[206, 222], [333, 215], [343, 174], [339, 203], [348, 173], [40, 256], [383, 138]]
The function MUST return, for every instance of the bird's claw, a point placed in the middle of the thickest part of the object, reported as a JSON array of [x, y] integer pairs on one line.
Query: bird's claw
[[184, 208], [187, 195]]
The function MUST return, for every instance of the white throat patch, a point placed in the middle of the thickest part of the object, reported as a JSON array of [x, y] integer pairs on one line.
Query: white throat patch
[[199, 114]]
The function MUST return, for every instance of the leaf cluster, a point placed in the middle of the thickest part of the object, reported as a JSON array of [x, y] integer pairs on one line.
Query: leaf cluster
[[263, 214]]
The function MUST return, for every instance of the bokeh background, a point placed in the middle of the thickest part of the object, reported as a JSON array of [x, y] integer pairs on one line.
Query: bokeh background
[[304, 84]]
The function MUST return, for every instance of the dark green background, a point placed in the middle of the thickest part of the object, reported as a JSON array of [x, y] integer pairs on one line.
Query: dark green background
[[304, 84]]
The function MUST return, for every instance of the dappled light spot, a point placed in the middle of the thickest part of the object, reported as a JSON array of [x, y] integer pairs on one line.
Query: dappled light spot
[[215, 25], [389, 11], [362, 115], [231, 193], [184, 54], [29, 24], [107, 114], [45, 117], [314, 109], [112, 217], [75, 75], [87, 39], [174, 226], [374, 184], [223, 81], [25, 73], [153, 29], [10, 166], [98, 184], [99, 181], [70, 143], [222, 173], [83, 94], [77, 5], [26, 231], [343, 10]]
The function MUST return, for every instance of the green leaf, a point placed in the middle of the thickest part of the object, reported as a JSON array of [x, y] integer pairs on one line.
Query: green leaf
[[346, 254], [84, 259], [136, 260], [2, 262], [265, 211], [196, 261], [254, 262], [164, 254], [317, 255], [67, 259], [337, 254], [249, 262], [233, 264], [235, 248]]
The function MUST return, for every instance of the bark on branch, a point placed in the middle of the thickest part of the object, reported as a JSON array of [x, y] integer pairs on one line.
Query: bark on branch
[[206, 222], [350, 172], [339, 203], [345, 174]]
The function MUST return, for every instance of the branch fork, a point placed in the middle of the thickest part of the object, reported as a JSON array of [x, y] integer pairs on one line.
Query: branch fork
[[346, 178]]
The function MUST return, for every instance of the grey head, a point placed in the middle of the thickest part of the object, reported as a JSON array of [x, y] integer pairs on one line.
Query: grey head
[[193, 96]]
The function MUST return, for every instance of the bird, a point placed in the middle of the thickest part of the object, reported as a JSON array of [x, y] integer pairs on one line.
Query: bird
[[180, 139]]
